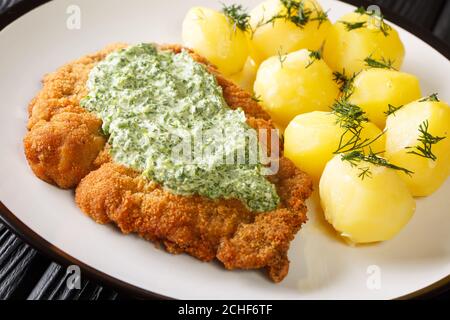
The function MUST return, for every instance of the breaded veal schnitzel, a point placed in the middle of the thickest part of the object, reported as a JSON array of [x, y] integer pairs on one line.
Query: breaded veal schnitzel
[[65, 146]]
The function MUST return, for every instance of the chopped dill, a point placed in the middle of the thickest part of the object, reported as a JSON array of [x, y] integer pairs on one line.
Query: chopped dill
[[382, 26], [256, 98], [281, 56], [381, 64], [238, 15], [364, 172], [345, 83], [357, 156], [353, 25], [296, 13], [427, 141], [431, 97], [360, 10], [321, 17], [314, 55], [392, 109], [348, 115], [351, 117]]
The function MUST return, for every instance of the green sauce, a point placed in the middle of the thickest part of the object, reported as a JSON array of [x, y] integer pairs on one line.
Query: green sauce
[[152, 102]]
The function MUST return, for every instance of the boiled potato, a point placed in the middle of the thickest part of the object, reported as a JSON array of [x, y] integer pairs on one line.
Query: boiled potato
[[311, 139], [246, 77], [403, 136], [271, 35], [365, 210], [212, 35], [347, 49], [293, 84], [376, 89]]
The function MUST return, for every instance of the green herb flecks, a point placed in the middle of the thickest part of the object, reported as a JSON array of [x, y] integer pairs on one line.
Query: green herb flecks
[[238, 16], [257, 98], [432, 97], [381, 64], [345, 83], [351, 118], [155, 105], [348, 115], [351, 145], [295, 12], [281, 56], [382, 26], [392, 109], [358, 156], [364, 172], [349, 26], [314, 55], [427, 141]]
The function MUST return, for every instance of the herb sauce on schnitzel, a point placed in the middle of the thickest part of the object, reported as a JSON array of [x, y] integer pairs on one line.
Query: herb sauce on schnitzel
[[166, 116]]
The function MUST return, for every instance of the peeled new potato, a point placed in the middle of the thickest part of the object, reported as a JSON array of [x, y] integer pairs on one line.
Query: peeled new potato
[[402, 138], [281, 35], [293, 84], [365, 210], [375, 89], [345, 50], [311, 139], [246, 77], [212, 35]]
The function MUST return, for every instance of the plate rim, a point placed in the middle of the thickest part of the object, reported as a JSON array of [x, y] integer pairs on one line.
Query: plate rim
[[39, 243]]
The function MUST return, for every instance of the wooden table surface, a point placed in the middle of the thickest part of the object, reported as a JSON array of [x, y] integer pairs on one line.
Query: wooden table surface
[[26, 273]]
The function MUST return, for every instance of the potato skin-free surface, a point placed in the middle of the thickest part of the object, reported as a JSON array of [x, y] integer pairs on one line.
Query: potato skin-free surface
[[345, 50], [282, 35], [213, 35], [375, 89], [247, 76], [293, 84], [402, 136], [311, 139], [372, 209]]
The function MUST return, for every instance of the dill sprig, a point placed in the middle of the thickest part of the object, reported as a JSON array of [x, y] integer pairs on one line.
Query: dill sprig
[[392, 109], [238, 15], [357, 156], [256, 98], [360, 10], [353, 25], [348, 115], [295, 12], [364, 172], [381, 64], [351, 117], [321, 17], [314, 55], [427, 141], [382, 26], [431, 97], [281, 56], [355, 142], [345, 83]]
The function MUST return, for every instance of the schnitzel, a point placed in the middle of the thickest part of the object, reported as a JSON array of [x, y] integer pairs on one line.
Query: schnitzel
[[66, 146]]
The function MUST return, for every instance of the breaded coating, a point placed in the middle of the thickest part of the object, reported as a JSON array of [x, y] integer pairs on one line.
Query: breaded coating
[[63, 138], [62, 151], [65, 146]]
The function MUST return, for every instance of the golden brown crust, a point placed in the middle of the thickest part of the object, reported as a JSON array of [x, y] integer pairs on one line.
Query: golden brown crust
[[64, 144], [62, 150], [63, 138]]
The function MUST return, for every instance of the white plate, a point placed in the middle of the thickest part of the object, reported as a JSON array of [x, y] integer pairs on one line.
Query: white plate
[[322, 267]]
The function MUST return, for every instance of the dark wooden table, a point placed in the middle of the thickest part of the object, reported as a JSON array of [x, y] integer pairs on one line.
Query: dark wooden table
[[28, 274]]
